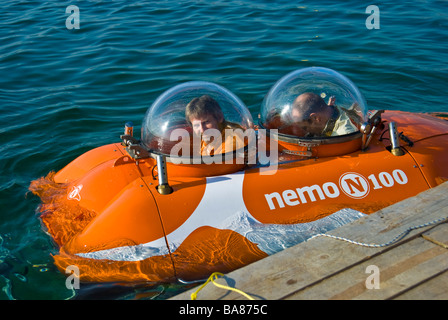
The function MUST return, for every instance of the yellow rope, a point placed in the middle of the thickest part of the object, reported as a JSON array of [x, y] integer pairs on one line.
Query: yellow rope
[[212, 278]]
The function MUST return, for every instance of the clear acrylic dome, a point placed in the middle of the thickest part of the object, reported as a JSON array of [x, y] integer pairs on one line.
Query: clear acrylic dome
[[314, 102], [166, 124]]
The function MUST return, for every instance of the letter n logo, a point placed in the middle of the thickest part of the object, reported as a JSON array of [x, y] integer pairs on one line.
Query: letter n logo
[[354, 185]]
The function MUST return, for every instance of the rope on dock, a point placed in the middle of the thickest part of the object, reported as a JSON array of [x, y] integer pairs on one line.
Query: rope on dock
[[212, 279], [372, 245]]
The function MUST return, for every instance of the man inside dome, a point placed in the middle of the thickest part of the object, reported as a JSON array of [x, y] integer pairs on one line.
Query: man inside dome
[[207, 121], [313, 117]]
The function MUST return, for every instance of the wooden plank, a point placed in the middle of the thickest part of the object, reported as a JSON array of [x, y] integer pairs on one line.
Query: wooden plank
[[399, 269], [438, 235], [433, 289], [306, 264]]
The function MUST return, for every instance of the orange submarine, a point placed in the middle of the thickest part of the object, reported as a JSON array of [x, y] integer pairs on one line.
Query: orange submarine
[[153, 210]]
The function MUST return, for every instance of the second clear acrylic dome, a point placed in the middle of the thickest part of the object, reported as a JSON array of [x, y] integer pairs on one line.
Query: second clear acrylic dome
[[314, 102]]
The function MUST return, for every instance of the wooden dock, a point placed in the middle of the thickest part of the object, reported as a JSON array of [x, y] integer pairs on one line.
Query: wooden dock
[[415, 267]]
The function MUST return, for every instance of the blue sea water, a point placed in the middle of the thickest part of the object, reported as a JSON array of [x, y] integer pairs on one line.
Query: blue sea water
[[65, 91]]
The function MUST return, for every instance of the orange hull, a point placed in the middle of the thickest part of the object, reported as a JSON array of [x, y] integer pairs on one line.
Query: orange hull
[[105, 213]]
